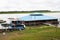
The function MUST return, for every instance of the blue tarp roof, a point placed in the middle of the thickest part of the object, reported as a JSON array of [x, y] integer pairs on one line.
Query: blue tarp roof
[[33, 17]]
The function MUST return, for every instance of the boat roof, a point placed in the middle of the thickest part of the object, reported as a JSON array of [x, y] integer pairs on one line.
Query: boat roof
[[34, 17]]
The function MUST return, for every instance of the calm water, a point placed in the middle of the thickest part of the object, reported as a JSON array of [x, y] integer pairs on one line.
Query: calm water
[[57, 15], [5, 16]]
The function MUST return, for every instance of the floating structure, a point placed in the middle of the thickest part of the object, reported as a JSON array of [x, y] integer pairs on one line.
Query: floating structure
[[38, 19], [28, 20], [9, 25]]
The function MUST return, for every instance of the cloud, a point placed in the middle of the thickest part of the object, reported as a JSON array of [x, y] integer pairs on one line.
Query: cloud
[[13, 5]]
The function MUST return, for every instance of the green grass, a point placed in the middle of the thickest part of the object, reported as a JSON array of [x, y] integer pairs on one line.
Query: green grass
[[27, 12], [33, 33]]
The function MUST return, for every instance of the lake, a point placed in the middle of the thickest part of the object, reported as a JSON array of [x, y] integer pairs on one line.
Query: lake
[[6, 16]]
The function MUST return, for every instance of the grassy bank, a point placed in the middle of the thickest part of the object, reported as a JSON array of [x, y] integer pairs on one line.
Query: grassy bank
[[33, 33], [22, 13], [27, 12]]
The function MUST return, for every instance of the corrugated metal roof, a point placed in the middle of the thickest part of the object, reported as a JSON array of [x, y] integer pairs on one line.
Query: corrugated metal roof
[[36, 17]]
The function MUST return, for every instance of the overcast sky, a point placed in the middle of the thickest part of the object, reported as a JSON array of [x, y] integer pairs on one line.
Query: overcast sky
[[26, 5]]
